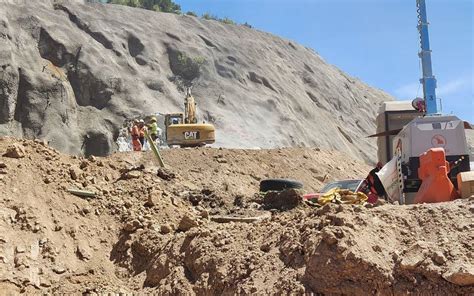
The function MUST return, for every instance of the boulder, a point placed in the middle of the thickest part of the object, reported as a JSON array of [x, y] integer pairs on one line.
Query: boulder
[[187, 223], [462, 275]]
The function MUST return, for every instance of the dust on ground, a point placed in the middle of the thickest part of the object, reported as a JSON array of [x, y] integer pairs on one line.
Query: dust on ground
[[152, 232]]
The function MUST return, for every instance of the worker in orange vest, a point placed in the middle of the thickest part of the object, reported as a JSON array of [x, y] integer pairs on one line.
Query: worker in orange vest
[[141, 132], [135, 132]]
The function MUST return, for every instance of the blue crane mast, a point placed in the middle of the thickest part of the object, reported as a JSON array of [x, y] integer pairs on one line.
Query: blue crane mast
[[428, 80]]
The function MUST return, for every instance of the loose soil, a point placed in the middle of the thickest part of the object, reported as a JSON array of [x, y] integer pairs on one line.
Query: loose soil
[[150, 232]]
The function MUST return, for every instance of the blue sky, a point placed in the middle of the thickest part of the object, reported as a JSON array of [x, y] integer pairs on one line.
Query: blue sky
[[374, 40]]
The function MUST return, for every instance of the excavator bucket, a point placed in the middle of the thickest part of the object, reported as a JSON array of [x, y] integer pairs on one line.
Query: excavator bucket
[[436, 185]]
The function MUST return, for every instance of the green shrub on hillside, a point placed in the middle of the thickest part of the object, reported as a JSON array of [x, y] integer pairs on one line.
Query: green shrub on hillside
[[208, 16], [187, 68], [170, 6], [131, 3], [156, 5], [227, 20]]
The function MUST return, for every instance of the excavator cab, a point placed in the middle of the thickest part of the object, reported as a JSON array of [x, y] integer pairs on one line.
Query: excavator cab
[[174, 118]]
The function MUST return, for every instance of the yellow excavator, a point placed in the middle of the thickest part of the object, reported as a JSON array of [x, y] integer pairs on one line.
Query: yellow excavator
[[184, 130]]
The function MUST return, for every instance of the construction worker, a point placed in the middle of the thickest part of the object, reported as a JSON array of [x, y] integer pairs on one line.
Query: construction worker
[[141, 132], [374, 184], [135, 133], [153, 127]]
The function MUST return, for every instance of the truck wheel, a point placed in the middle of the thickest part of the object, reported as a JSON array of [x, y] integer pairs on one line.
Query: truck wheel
[[279, 185]]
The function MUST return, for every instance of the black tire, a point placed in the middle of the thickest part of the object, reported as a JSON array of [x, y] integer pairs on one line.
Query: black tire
[[279, 185]]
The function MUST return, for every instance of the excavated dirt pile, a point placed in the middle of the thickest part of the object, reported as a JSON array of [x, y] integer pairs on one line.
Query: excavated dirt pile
[[169, 233]]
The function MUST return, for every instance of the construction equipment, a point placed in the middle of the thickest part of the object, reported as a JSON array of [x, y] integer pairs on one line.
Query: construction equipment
[[435, 186], [419, 136], [393, 116], [184, 130]]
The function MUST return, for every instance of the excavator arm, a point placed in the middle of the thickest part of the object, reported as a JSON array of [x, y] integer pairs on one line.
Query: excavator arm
[[189, 108]]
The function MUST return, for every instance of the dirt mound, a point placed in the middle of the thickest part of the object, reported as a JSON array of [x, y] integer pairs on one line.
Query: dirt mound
[[148, 234], [283, 200], [72, 73]]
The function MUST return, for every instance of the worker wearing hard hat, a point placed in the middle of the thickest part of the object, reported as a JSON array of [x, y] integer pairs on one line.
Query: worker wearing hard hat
[[153, 128]]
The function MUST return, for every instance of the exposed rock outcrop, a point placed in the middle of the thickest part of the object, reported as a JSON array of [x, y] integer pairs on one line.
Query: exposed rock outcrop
[[71, 73]]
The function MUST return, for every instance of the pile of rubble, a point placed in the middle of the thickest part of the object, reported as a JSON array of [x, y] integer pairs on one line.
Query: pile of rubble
[[201, 227]]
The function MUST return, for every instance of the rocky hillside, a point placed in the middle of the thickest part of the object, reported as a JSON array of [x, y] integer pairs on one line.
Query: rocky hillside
[[71, 73]]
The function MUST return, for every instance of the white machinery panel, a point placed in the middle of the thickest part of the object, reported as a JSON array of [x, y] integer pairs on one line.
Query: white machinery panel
[[424, 133]]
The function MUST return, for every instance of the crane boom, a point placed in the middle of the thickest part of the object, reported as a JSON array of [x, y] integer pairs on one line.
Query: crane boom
[[428, 80], [429, 151]]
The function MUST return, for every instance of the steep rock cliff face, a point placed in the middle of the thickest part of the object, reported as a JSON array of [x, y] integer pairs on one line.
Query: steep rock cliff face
[[72, 73]]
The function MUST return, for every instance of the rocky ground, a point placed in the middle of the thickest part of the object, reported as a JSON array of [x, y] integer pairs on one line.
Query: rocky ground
[[162, 231], [72, 73]]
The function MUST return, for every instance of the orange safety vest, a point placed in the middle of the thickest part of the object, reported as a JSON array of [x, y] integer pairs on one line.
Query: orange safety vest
[[135, 132], [142, 132]]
